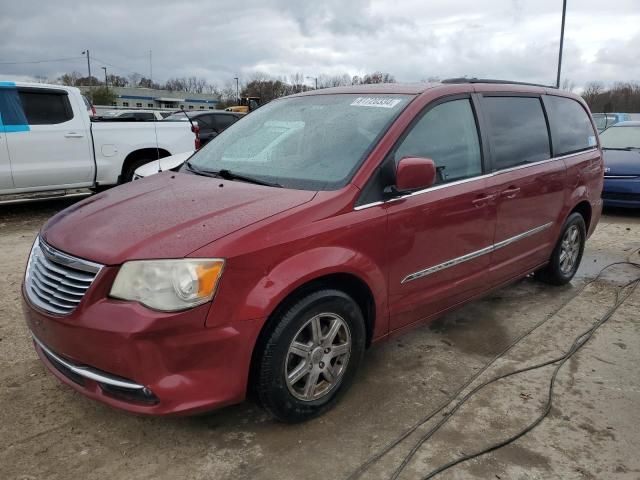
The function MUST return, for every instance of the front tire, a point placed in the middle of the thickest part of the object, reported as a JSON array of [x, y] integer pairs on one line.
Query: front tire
[[567, 254], [311, 356]]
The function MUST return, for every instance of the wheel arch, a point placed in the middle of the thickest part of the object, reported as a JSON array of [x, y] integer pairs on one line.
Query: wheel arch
[[348, 282], [583, 208], [150, 153]]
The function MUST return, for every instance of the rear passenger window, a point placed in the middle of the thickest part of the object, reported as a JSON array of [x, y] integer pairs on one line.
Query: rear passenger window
[[518, 130], [145, 116], [449, 136], [45, 108], [571, 129]]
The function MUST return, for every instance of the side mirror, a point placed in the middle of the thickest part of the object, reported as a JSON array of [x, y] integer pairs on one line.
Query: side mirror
[[414, 173]]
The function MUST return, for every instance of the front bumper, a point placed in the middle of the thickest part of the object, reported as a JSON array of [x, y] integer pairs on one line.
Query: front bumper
[[142, 361], [621, 192]]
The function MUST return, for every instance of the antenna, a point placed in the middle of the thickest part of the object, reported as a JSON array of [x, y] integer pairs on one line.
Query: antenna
[[194, 129]]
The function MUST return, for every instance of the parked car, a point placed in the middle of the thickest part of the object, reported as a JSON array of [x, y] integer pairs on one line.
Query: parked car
[[606, 120], [270, 266], [211, 123], [49, 146], [133, 115], [173, 162], [273, 131], [621, 150]]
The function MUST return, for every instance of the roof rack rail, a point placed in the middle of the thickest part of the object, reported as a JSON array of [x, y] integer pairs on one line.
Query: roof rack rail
[[492, 80]]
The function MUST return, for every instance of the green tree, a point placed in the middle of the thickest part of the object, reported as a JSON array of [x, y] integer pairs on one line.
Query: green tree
[[102, 96]]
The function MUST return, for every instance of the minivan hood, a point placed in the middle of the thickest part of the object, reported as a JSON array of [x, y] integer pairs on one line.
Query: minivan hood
[[168, 215], [621, 162]]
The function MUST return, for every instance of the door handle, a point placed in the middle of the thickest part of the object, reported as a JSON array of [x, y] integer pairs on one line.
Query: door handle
[[482, 200], [73, 135], [510, 192]]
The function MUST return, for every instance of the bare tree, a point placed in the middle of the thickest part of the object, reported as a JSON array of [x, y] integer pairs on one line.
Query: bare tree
[[69, 79], [591, 91], [134, 79]]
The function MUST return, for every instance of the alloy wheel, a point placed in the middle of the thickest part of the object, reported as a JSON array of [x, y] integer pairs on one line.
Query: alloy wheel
[[317, 357], [570, 249]]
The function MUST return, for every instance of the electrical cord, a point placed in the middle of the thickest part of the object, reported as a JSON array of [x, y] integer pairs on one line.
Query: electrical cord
[[400, 438], [578, 343]]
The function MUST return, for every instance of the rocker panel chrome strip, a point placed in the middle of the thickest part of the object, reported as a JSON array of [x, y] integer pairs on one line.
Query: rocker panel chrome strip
[[470, 256]]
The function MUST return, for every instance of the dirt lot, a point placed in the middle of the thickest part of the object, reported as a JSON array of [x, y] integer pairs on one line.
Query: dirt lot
[[48, 431]]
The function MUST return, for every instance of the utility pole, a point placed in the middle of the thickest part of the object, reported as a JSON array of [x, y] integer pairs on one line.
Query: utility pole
[[237, 89], [150, 68], [86, 52], [106, 84], [564, 13]]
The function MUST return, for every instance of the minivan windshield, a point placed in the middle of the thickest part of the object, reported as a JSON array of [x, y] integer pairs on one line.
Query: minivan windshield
[[621, 137], [311, 142]]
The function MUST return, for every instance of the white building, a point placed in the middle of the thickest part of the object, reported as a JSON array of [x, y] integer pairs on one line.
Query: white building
[[130, 97]]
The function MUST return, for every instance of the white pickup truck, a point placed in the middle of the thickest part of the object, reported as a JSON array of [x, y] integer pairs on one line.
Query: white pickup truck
[[50, 147]]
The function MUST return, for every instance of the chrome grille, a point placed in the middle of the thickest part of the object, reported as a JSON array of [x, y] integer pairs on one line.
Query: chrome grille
[[55, 281]]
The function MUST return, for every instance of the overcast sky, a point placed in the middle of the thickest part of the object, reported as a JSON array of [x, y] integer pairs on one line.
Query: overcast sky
[[411, 39]]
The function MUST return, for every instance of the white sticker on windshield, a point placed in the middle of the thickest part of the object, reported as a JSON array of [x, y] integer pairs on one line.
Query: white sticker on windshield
[[375, 102], [592, 140]]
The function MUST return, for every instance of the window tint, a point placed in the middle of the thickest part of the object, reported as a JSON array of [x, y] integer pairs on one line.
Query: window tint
[[205, 121], [518, 130], [448, 135], [145, 116], [11, 112], [45, 108], [223, 121], [571, 129]]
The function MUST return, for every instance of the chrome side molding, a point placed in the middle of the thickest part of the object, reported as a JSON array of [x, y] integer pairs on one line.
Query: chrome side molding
[[470, 256]]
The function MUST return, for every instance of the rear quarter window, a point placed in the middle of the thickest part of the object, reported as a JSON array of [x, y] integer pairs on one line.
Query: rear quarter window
[[571, 129], [45, 108], [517, 130]]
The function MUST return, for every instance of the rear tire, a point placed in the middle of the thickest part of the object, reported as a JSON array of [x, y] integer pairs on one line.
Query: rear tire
[[567, 254], [311, 357]]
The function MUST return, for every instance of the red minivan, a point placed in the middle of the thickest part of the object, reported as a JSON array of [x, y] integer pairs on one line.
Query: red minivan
[[317, 225]]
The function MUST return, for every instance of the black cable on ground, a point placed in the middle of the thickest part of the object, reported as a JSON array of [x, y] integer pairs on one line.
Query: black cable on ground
[[391, 445], [578, 343]]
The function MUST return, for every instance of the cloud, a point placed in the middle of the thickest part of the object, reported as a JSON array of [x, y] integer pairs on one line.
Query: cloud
[[412, 39]]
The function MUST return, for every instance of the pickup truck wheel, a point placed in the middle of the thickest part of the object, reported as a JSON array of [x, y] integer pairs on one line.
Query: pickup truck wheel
[[566, 256], [129, 170], [311, 356]]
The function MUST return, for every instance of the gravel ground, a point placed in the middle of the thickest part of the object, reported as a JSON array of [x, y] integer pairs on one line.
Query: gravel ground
[[49, 431]]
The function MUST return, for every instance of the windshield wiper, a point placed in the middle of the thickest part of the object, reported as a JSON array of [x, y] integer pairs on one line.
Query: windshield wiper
[[197, 171], [229, 175], [626, 149]]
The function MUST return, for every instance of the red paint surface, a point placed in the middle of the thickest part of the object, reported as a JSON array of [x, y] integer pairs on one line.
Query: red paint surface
[[276, 240]]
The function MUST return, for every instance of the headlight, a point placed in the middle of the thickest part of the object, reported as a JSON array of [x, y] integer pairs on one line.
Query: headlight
[[168, 285]]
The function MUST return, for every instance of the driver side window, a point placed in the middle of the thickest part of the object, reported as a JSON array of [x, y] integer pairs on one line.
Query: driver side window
[[448, 135]]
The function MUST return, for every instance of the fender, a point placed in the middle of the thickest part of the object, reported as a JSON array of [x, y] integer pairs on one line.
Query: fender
[[304, 267]]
